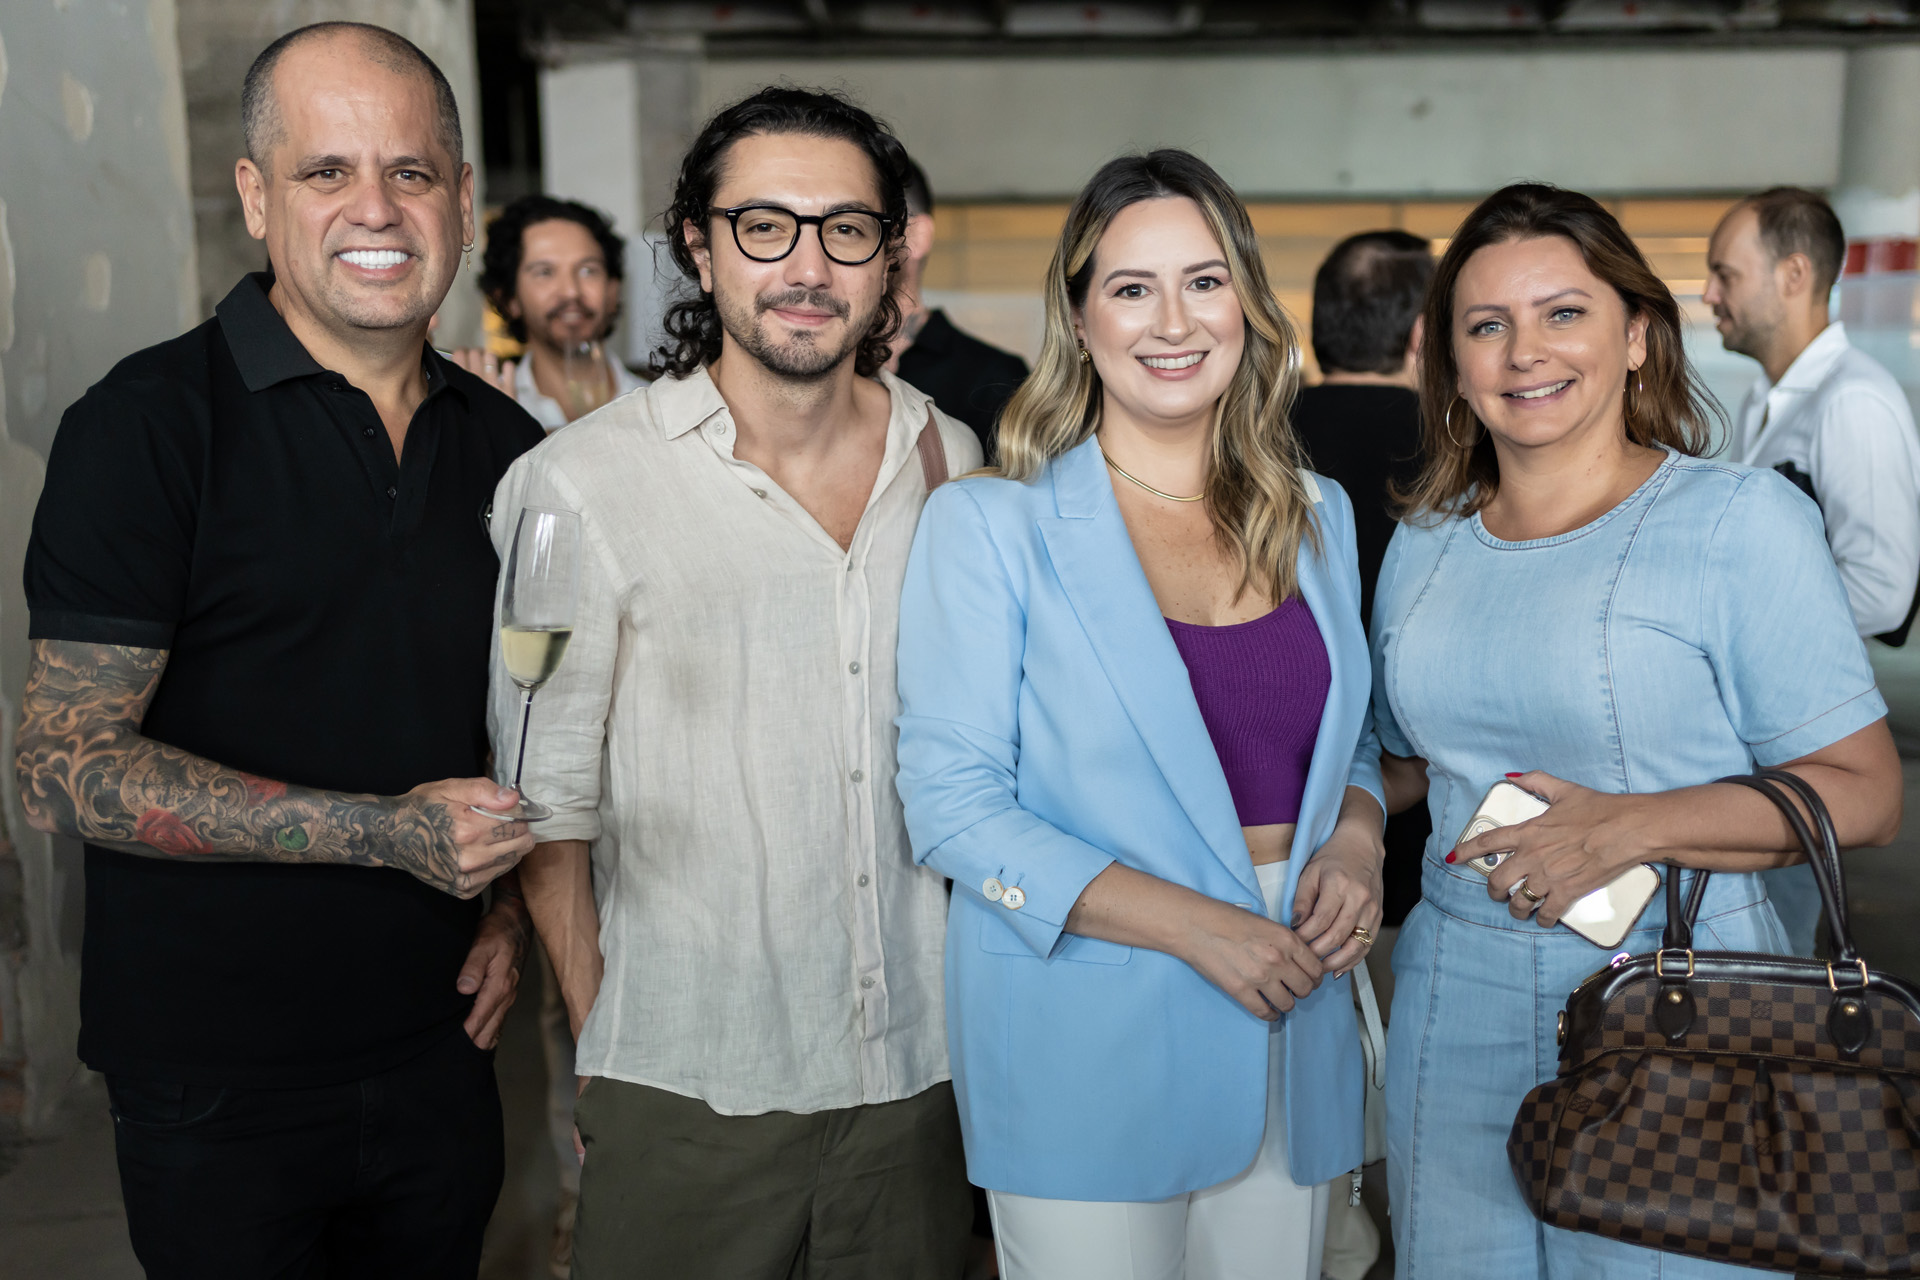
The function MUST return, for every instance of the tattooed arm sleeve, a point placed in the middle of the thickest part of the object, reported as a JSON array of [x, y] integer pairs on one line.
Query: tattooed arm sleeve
[[85, 771]]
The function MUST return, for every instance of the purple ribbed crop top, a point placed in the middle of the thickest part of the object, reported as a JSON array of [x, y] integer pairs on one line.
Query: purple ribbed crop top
[[1261, 687]]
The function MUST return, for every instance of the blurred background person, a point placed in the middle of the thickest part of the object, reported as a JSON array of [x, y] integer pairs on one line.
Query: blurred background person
[[1577, 594], [553, 269], [1828, 417], [1822, 413], [1361, 425], [965, 376]]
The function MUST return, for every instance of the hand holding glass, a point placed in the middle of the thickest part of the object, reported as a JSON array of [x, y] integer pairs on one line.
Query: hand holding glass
[[536, 619]]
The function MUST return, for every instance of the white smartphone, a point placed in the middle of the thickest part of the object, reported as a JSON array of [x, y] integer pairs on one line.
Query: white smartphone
[[1605, 916]]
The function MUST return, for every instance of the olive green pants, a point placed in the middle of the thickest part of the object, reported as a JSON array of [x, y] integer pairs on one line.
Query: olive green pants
[[672, 1189]]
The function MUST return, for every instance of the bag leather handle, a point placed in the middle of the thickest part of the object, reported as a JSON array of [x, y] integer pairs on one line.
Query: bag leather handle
[[1823, 828], [1822, 850]]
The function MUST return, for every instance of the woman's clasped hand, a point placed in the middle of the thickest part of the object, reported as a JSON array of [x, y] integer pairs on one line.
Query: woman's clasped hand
[[1337, 905]]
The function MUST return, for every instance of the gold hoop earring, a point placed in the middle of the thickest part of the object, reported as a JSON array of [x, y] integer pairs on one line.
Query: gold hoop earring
[[466, 251], [1633, 395], [1448, 421], [1086, 356]]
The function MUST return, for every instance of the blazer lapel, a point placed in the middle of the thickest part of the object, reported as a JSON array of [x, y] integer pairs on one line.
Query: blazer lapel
[[1101, 575], [1328, 769]]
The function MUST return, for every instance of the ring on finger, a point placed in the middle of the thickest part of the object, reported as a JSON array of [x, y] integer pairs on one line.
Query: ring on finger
[[1365, 935], [1529, 894]]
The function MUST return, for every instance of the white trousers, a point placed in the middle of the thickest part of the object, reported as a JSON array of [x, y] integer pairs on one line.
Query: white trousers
[[1256, 1225]]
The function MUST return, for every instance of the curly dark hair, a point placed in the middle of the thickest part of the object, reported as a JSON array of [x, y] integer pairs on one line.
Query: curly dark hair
[[506, 245], [693, 322]]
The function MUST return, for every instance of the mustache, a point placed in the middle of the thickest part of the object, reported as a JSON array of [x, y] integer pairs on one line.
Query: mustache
[[573, 308], [819, 299]]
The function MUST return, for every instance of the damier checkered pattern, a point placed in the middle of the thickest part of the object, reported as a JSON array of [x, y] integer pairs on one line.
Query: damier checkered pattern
[[1790, 1165], [1775, 1020]]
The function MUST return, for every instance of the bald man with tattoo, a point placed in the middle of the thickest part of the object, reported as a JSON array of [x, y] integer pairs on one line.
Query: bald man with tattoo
[[261, 590]]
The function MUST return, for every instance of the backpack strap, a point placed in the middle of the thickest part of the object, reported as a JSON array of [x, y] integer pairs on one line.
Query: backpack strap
[[933, 454]]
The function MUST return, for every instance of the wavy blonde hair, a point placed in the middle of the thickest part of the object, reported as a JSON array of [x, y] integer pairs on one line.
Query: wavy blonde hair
[[1255, 493]]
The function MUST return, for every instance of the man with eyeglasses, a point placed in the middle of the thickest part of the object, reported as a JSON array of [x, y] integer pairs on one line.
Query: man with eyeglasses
[[750, 957]]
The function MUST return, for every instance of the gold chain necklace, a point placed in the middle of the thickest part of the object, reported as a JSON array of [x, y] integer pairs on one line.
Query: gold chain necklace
[[1170, 497]]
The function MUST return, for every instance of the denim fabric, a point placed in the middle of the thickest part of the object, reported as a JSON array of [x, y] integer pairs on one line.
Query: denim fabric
[[1796, 900], [1696, 628]]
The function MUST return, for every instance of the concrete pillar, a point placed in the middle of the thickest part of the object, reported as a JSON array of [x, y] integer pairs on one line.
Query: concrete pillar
[[1878, 200], [614, 122], [96, 261], [219, 40]]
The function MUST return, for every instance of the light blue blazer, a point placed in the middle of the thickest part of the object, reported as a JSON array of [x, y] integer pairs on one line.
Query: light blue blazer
[[1048, 729]]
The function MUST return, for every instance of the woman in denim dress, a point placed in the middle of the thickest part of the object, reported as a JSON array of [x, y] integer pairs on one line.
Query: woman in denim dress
[[1580, 599]]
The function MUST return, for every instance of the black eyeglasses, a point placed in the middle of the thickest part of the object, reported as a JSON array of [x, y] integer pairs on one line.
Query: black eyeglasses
[[768, 233]]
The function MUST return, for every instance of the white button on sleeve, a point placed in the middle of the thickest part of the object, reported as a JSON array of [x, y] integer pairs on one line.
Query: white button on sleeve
[[1014, 898], [992, 890]]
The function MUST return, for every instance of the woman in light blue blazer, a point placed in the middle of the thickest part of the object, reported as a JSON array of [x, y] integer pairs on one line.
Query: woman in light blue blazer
[[1135, 734]]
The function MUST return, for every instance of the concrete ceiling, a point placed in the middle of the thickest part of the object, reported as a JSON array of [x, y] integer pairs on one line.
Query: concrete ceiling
[[953, 25]]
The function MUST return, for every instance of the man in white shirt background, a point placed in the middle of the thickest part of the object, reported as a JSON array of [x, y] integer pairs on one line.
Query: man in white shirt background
[[553, 269], [750, 957], [1825, 415]]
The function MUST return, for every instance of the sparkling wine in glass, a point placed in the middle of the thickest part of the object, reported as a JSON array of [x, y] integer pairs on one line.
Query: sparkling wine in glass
[[536, 616]]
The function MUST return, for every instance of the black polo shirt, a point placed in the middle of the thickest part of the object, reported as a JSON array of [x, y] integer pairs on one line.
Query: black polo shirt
[[966, 377], [328, 612]]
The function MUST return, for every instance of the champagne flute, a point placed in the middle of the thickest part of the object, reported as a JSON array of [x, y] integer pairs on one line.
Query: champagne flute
[[589, 383], [536, 617]]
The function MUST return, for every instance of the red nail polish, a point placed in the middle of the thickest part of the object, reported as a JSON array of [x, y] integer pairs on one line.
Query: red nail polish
[[1515, 775], [1450, 857]]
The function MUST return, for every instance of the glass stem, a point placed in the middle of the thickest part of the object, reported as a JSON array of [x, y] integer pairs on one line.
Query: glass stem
[[526, 715]]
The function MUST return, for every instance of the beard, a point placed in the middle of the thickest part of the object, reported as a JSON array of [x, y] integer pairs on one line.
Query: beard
[[1751, 333], [570, 325], [802, 356]]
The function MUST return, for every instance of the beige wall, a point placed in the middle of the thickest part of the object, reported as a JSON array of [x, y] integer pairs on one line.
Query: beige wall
[[1332, 125]]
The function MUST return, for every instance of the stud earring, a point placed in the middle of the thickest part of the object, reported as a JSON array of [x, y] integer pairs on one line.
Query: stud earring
[[1086, 356]]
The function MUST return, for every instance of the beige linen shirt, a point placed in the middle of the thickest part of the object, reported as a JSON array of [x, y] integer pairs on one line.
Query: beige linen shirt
[[721, 728]]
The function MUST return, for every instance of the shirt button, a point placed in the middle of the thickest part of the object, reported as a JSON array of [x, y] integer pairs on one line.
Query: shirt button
[[392, 492], [368, 433], [862, 882], [866, 982], [854, 667], [759, 493], [1014, 898], [992, 889], [858, 776]]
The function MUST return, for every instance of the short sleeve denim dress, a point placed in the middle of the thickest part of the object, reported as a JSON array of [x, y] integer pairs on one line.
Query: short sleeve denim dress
[[1695, 629]]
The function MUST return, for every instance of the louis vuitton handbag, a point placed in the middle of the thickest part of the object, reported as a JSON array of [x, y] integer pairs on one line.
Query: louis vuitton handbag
[[1754, 1109]]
